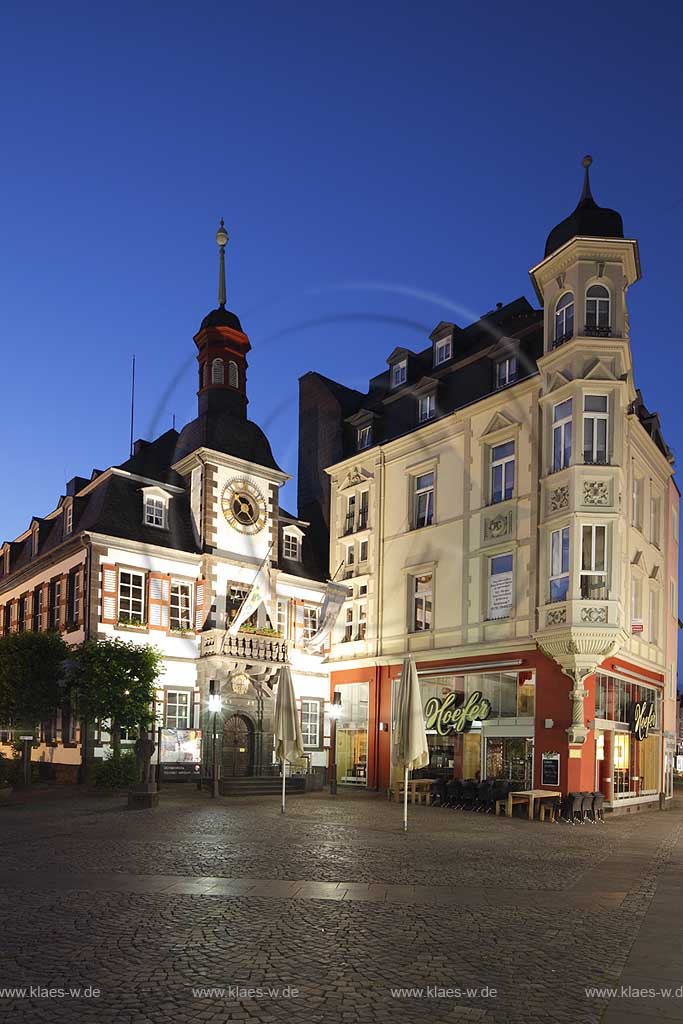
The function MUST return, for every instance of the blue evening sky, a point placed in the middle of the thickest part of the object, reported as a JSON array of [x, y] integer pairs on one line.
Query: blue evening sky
[[380, 167]]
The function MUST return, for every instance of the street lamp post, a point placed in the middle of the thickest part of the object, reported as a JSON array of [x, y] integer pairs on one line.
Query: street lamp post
[[335, 712], [214, 708]]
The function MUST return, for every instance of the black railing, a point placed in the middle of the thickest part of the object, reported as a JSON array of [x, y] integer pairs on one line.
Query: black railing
[[348, 523], [596, 459], [597, 331], [562, 338]]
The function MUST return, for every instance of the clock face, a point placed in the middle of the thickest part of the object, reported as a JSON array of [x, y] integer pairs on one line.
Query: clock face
[[243, 506]]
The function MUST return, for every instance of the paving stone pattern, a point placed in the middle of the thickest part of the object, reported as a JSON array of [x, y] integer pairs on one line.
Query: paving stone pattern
[[332, 903]]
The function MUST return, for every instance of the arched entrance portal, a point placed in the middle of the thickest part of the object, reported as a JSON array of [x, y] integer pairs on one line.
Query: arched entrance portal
[[238, 747]]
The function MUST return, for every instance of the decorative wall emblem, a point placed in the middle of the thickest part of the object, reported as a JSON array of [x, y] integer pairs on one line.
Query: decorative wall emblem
[[595, 492], [594, 614], [498, 526], [556, 617], [243, 506], [559, 498]]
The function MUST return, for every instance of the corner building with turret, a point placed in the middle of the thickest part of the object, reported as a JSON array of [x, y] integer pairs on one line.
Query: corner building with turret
[[504, 507]]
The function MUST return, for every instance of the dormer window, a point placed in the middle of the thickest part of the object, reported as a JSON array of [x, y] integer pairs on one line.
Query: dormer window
[[291, 545], [442, 351], [68, 520], [155, 502], [34, 542], [506, 371], [426, 408], [364, 437], [399, 373], [597, 310], [564, 319]]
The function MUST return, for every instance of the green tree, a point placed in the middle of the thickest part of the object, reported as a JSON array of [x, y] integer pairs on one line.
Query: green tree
[[115, 680], [33, 676]]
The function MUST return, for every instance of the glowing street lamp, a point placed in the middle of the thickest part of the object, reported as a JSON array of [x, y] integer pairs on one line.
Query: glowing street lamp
[[334, 713]]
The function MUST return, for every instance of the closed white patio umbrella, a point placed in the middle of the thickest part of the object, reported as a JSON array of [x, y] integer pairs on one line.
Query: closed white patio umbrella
[[410, 750], [288, 739]]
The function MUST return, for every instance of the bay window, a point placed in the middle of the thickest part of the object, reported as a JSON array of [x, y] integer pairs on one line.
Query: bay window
[[594, 562], [595, 430], [564, 319], [562, 434], [559, 564], [597, 310]]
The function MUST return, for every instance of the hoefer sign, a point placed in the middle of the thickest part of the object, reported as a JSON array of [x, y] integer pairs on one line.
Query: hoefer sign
[[445, 716], [642, 718]]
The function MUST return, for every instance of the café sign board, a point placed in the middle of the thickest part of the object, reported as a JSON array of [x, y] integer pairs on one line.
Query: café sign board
[[447, 715], [642, 718]]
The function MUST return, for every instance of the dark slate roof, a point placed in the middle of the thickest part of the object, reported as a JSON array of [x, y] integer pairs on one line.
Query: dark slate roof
[[587, 220], [652, 425], [153, 459], [466, 378], [221, 318], [226, 433]]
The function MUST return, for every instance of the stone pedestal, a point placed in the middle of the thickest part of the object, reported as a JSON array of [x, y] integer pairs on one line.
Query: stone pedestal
[[142, 796]]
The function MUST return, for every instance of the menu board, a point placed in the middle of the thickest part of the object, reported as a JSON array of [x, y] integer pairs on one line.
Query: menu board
[[550, 769]]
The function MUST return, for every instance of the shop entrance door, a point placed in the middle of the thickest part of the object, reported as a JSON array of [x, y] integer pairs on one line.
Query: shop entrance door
[[510, 758], [238, 747]]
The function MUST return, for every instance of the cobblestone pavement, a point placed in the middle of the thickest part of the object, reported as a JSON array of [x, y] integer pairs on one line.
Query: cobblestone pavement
[[332, 904]]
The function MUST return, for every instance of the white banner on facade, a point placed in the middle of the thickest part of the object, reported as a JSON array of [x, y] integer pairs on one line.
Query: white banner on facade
[[335, 595], [259, 594], [500, 595]]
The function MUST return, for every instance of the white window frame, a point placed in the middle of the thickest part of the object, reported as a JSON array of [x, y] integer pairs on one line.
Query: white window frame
[[311, 619], [562, 429], [362, 621], [593, 569], [596, 306], [217, 371], [426, 407], [68, 519], [508, 366], [595, 418], [559, 571], [180, 609], [291, 546], [364, 437], [653, 617], [399, 373], [136, 583], [156, 511], [442, 351], [503, 466], [347, 634], [564, 318], [363, 551], [421, 603], [655, 520], [178, 705], [637, 497], [311, 715], [282, 616], [424, 503]]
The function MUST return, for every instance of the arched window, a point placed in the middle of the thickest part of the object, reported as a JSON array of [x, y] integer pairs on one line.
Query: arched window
[[217, 372], [233, 375], [564, 319], [597, 310]]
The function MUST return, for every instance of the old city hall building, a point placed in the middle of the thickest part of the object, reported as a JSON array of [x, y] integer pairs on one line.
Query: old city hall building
[[504, 508], [163, 549]]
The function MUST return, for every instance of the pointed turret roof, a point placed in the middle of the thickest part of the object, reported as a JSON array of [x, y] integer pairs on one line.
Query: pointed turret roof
[[587, 220]]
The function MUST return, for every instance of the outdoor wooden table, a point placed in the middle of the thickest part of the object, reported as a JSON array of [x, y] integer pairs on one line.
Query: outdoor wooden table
[[526, 796], [417, 788]]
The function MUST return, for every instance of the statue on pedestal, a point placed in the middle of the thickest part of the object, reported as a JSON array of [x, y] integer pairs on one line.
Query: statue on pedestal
[[144, 751]]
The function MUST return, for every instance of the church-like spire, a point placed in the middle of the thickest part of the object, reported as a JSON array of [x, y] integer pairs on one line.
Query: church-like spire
[[222, 239], [586, 195], [587, 220]]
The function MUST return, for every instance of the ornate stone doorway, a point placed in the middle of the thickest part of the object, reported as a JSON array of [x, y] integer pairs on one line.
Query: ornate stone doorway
[[238, 747]]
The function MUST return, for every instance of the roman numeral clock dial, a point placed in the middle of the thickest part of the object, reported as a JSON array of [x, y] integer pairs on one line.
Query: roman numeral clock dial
[[243, 506]]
